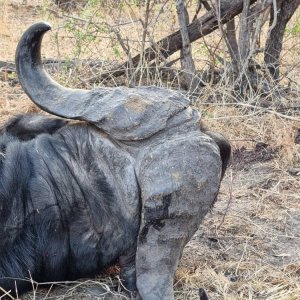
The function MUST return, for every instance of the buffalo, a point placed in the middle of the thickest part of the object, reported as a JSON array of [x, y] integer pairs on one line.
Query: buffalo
[[119, 175]]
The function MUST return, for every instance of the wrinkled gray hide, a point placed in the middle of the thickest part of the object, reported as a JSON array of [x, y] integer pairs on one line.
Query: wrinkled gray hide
[[177, 167], [178, 170]]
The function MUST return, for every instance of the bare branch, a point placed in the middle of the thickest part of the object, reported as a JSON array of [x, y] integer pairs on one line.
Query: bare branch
[[199, 6], [172, 43]]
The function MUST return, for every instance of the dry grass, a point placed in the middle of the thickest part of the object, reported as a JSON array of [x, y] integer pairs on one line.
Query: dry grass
[[249, 246]]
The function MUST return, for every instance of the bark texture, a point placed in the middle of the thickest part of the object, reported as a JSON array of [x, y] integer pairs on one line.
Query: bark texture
[[232, 45], [187, 62]]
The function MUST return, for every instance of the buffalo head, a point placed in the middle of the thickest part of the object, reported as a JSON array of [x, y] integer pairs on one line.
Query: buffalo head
[[131, 183]]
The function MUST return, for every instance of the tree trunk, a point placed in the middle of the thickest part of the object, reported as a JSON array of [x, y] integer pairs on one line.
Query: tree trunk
[[274, 41], [232, 45], [172, 43], [186, 59], [244, 36]]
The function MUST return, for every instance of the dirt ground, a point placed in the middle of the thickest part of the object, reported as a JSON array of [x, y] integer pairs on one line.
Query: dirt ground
[[248, 247]]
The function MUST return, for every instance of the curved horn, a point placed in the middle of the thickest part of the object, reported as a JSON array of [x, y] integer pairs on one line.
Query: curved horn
[[38, 85]]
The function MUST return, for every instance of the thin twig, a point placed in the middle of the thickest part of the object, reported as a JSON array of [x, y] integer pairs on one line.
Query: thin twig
[[261, 109], [229, 201], [6, 293]]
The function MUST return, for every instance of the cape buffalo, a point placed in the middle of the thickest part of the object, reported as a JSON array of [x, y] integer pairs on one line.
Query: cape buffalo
[[129, 181]]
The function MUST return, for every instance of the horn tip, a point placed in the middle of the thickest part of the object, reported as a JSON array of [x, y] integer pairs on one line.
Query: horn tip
[[44, 26], [39, 27]]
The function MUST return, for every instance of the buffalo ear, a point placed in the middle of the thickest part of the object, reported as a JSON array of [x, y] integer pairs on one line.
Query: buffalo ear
[[202, 294], [27, 127], [223, 145]]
